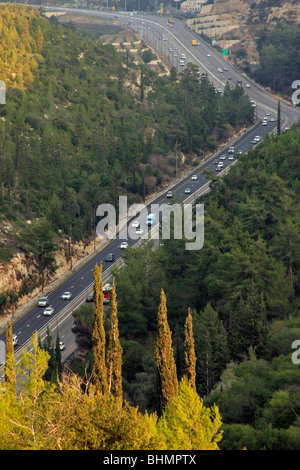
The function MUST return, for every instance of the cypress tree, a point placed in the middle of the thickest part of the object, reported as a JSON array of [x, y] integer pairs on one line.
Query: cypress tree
[[99, 370], [190, 356], [114, 352], [10, 369], [167, 382]]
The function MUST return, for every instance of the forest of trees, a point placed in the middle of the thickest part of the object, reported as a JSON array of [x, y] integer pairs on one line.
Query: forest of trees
[[279, 55], [88, 124], [225, 317], [243, 288], [66, 412]]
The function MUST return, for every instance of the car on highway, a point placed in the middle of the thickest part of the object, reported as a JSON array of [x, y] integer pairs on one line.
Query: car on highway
[[66, 295], [231, 157], [48, 311], [265, 123], [110, 257], [216, 162], [139, 231], [272, 119], [267, 113], [183, 56], [208, 55], [187, 191], [247, 85], [15, 340], [253, 141], [257, 138], [229, 78], [240, 152], [231, 150], [220, 70], [170, 194], [194, 177], [123, 245], [223, 157], [43, 301], [90, 297], [218, 168]]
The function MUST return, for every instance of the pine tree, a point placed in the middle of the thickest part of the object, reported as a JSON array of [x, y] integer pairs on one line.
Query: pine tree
[[10, 369], [114, 352], [190, 356], [99, 370], [188, 425], [39, 39], [167, 382]]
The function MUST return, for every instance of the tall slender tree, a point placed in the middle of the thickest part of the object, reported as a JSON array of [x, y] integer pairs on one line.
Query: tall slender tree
[[189, 351], [10, 368], [99, 370], [114, 352], [167, 382]]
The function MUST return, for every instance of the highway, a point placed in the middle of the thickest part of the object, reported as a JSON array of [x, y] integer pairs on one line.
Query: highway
[[80, 281]]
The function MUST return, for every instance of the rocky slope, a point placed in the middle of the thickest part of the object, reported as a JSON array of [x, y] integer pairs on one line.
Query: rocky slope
[[234, 24]]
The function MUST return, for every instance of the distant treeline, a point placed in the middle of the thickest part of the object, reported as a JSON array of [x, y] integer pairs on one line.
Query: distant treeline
[[279, 62]]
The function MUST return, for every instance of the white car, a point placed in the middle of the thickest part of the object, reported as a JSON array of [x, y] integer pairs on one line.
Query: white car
[[257, 138], [170, 194], [43, 302], [208, 55], [220, 70], [265, 123], [222, 157], [66, 295], [135, 224], [139, 231], [15, 340], [272, 119], [187, 191], [194, 177], [123, 245], [48, 310], [247, 85], [230, 157]]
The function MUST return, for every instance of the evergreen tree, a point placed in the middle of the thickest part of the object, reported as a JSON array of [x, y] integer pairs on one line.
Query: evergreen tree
[[167, 382], [99, 370], [190, 357], [10, 369], [114, 352], [278, 119], [188, 425]]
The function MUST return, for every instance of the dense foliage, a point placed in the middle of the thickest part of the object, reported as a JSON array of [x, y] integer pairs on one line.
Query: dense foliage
[[85, 128], [279, 56], [243, 286]]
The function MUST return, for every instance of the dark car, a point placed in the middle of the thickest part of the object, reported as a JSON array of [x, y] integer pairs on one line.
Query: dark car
[[90, 297], [110, 257]]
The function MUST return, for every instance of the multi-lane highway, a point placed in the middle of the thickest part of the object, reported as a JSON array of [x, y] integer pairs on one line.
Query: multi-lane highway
[[80, 281]]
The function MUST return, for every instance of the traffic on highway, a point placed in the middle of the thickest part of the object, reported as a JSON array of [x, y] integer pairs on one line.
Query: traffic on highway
[[173, 41]]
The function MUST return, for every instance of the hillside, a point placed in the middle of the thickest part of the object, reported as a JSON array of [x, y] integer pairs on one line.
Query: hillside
[[235, 24], [94, 120]]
